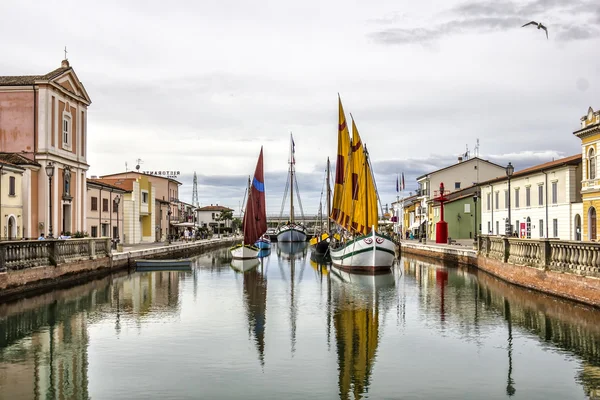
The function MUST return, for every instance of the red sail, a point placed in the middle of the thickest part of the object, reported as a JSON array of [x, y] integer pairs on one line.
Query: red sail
[[255, 218]]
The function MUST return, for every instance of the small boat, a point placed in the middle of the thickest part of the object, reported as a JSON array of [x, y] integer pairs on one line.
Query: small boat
[[264, 242], [163, 265], [291, 231], [319, 244], [361, 247], [255, 215]]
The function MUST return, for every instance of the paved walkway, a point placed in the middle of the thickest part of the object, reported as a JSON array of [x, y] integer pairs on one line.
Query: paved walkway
[[144, 246], [465, 244]]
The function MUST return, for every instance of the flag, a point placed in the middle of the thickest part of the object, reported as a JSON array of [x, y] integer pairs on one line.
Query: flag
[[403, 185], [397, 184], [293, 150]]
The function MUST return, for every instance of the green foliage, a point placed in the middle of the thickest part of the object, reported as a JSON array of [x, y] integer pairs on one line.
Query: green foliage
[[78, 235]]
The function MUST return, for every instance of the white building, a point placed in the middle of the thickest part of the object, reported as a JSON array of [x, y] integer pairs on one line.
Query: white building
[[208, 217], [545, 201], [458, 176]]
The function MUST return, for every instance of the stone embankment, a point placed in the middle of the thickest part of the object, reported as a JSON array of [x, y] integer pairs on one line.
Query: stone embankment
[[35, 266], [566, 269]]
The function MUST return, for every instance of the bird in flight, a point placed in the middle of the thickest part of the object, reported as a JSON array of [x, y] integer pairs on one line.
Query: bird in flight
[[539, 26]]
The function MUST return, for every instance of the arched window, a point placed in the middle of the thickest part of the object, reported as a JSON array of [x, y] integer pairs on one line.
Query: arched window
[[592, 164], [592, 223]]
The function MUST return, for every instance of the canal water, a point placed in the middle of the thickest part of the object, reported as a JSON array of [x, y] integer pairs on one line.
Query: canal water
[[291, 328]]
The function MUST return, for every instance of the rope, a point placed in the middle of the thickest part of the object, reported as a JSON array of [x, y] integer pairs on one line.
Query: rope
[[287, 186]]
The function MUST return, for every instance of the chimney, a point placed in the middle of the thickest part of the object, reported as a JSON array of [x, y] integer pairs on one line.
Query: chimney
[[94, 176], [459, 159]]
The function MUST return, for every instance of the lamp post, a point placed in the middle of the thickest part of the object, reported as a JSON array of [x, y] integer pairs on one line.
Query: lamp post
[[169, 224], [475, 212], [50, 173], [509, 172], [117, 201]]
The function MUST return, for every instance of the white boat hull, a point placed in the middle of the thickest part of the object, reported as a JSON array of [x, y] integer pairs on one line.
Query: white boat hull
[[371, 253], [244, 252], [291, 234]]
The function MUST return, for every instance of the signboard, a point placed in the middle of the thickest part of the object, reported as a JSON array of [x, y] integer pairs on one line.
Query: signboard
[[165, 174]]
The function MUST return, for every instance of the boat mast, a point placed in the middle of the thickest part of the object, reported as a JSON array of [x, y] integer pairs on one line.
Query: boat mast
[[292, 161], [328, 199], [246, 210], [366, 189]]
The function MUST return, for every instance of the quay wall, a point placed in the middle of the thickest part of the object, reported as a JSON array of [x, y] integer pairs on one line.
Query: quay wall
[[572, 284], [15, 283]]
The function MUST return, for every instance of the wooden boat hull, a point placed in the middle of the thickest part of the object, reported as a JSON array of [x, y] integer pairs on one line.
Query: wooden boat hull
[[163, 265], [321, 247], [244, 252], [370, 253], [289, 233], [371, 281]]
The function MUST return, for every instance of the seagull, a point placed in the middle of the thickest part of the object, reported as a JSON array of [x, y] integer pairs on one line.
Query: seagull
[[539, 26]]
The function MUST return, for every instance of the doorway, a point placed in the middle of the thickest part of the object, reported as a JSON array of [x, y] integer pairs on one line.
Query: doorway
[[528, 228], [66, 219], [577, 227], [592, 223], [12, 228]]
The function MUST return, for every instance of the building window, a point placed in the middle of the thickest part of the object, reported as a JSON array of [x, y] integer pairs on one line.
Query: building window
[[213, 216], [66, 131], [115, 207], [541, 228], [489, 227], [528, 228], [104, 206], [541, 195], [94, 231], [527, 197], [67, 182], [11, 186], [489, 202], [517, 198], [592, 164], [506, 199], [497, 199], [467, 208], [555, 227], [104, 230], [497, 227], [115, 232], [554, 192], [456, 185], [144, 197], [94, 204], [517, 228]]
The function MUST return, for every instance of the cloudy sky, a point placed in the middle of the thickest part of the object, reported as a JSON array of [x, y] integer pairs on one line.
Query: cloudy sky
[[201, 85]]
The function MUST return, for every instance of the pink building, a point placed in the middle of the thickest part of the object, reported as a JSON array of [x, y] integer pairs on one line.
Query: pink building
[[44, 118]]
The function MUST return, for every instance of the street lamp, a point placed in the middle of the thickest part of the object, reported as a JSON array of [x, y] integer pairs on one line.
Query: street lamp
[[169, 224], [475, 212], [50, 173], [117, 201], [509, 172]]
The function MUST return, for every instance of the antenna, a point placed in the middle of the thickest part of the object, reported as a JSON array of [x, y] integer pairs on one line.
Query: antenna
[[66, 53], [195, 191], [125, 166], [476, 150], [137, 164]]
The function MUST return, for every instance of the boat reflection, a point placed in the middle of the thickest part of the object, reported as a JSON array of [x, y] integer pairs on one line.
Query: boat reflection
[[289, 250], [245, 265], [357, 302], [255, 303], [263, 253]]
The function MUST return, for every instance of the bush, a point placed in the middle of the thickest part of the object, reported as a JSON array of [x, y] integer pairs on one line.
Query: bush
[[79, 235]]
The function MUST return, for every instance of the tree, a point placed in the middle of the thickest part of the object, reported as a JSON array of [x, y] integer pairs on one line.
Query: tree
[[226, 215], [236, 224]]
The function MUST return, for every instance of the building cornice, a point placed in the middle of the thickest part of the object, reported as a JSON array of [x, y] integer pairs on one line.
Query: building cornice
[[587, 131]]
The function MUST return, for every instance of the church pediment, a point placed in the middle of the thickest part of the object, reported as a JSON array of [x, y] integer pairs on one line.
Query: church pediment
[[68, 80]]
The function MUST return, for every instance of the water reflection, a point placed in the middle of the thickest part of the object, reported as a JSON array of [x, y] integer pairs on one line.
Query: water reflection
[[357, 304]]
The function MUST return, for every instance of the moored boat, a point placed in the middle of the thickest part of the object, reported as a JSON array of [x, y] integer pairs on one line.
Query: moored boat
[[264, 242], [355, 208], [319, 244], [255, 215]]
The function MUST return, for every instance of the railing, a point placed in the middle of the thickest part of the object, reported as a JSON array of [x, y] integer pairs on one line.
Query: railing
[[23, 254], [582, 258]]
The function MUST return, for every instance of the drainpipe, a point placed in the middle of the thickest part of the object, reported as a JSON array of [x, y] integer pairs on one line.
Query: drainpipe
[[35, 149], [110, 208], [492, 206], [99, 232], [546, 188]]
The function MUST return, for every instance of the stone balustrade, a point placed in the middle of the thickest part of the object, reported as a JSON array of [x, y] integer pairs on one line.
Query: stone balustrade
[[582, 258], [16, 255]]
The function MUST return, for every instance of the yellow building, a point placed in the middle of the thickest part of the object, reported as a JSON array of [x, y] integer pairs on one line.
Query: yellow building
[[590, 185], [11, 201]]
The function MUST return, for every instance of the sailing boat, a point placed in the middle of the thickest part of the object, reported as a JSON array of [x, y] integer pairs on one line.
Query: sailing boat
[[255, 216], [355, 208], [291, 231], [320, 243]]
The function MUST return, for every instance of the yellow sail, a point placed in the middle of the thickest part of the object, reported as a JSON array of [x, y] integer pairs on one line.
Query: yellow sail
[[364, 196], [342, 208]]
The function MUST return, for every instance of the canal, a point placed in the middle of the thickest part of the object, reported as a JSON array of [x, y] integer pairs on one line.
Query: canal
[[291, 328]]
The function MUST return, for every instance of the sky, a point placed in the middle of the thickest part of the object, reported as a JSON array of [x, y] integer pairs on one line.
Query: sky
[[200, 86]]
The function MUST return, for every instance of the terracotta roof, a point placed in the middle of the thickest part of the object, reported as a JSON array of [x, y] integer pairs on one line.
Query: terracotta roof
[[124, 184], [571, 160], [31, 79], [11, 165], [139, 174], [17, 159], [102, 182], [214, 208]]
